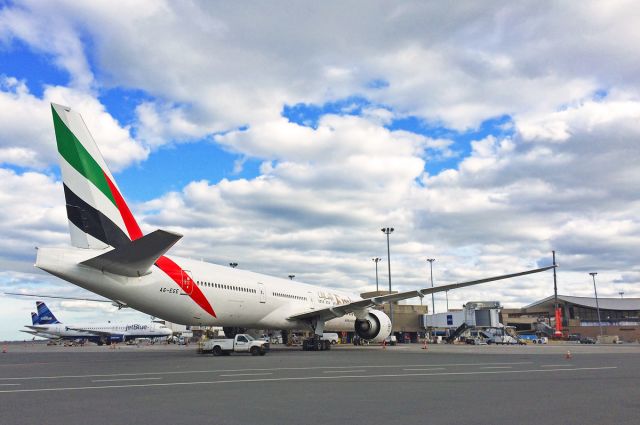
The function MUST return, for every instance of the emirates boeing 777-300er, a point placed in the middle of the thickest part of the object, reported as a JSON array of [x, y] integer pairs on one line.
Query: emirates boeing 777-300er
[[110, 256]]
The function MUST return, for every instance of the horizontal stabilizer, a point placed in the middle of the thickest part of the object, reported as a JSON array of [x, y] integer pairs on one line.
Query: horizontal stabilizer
[[136, 257]]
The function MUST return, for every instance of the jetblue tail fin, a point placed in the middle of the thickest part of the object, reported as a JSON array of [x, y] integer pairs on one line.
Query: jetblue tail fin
[[98, 215], [34, 319], [45, 316]]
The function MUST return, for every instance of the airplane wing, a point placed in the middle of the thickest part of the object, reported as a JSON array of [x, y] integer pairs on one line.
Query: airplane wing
[[116, 303], [37, 328], [40, 334], [94, 332], [355, 306]]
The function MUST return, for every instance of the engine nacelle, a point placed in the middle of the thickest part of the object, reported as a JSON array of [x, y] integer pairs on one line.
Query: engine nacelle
[[375, 327]]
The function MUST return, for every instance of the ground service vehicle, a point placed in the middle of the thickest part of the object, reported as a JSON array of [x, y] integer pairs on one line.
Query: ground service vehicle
[[391, 340], [504, 340], [331, 337], [242, 343]]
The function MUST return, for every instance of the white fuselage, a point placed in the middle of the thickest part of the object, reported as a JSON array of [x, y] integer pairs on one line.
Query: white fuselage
[[97, 331], [239, 298]]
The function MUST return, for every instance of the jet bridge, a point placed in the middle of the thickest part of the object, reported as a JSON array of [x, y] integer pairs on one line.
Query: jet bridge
[[476, 314]]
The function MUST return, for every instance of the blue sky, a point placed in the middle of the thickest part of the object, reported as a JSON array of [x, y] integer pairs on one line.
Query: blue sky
[[172, 168], [18, 61]]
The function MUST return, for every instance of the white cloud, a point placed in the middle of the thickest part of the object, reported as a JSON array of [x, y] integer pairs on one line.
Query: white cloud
[[49, 32], [32, 214], [457, 65], [27, 138]]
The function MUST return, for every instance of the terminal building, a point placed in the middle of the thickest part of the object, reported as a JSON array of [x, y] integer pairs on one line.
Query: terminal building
[[618, 316]]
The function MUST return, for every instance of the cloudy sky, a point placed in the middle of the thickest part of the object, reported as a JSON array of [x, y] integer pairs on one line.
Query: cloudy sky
[[283, 136]]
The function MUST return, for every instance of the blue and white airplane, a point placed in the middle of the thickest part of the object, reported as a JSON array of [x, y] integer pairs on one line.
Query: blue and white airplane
[[46, 325], [44, 319]]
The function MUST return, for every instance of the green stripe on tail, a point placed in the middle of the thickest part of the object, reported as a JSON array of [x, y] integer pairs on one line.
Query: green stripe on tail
[[77, 156]]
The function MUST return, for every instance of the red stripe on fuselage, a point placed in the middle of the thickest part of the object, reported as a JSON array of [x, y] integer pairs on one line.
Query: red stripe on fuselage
[[172, 270], [185, 282]]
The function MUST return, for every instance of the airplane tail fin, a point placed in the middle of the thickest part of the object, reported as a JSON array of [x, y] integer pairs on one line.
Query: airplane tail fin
[[98, 215], [45, 316], [34, 319]]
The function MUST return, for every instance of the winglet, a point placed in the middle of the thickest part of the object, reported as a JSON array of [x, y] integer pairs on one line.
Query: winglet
[[136, 257]]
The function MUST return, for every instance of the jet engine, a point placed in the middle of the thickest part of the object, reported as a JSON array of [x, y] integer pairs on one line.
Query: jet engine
[[374, 327]]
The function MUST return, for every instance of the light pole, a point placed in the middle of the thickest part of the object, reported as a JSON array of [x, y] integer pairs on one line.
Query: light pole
[[556, 308], [446, 294], [377, 260], [433, 300], [593, 275], [233, 265], [387, 231], [291, 276]]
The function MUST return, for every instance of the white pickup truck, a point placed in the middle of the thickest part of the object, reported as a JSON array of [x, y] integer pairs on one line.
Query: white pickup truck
[[242, 343]]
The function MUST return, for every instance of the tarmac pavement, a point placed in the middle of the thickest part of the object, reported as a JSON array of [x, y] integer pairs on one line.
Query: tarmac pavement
[[404, 384]]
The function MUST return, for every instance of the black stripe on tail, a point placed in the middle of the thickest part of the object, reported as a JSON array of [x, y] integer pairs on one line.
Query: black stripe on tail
[[92, 221]]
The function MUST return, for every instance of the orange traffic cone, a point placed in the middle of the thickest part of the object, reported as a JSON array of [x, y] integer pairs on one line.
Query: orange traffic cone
[[424, 345], [384, 345], [568, 355], [4, 348]]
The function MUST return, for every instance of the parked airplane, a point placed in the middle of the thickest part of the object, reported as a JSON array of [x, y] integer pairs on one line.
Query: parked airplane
[[47, 326], [37, 320], [111, 257]]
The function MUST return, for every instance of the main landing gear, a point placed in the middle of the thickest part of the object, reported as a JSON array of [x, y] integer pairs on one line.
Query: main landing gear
[[316, 343]]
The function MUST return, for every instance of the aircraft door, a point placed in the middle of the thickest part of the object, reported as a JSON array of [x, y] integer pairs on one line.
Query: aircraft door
[[187, 282], [261, 293]]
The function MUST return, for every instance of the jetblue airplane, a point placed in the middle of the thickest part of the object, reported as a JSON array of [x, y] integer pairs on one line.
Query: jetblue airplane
[[36, 319], [109, 255], [46, 325]]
